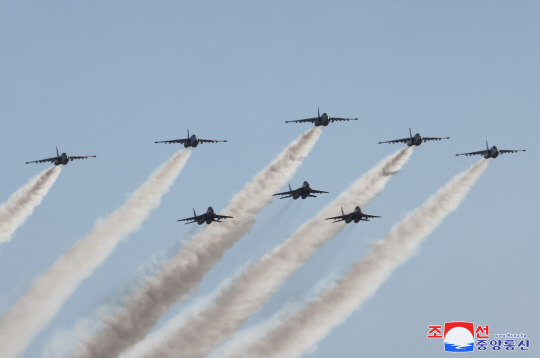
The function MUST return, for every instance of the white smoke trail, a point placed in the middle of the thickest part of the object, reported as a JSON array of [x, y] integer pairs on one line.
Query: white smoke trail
[[22, 203], [294, 335], [179, 276], [200, 332], [47, 293]]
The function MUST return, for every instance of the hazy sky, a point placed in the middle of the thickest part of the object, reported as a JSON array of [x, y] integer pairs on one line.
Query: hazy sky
[[110, 79]]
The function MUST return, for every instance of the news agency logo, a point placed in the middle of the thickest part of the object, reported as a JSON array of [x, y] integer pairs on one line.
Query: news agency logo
[[458, 336], [464, 336]]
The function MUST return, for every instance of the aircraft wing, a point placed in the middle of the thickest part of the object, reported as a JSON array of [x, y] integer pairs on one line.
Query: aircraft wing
[[181, 141], [303, 120], [317, 191], [222, 217], [194, 218], [480, 152], [285, 193], [434, 138], [370, 216], [43, 160], [337, 218], [81, 157], [332, 119], [210, 141], [403, 140], [502, 151]]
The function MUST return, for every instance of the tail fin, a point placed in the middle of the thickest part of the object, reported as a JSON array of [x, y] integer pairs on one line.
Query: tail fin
[[318, 113], [342, 213], [290, 189], [487, 146], [194, 213], [410, 133], [57, 155], [188, 134]]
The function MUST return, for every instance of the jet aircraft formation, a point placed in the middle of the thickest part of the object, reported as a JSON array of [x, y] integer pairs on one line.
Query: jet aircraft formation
[[305, 190]]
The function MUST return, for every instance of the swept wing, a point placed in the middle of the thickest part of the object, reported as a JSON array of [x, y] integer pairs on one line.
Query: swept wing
[[403, 140], [502, 151], [480, 152], [303, 120], [44, 160], [210, 140], [182, 141], [434, 138], [332, 119]]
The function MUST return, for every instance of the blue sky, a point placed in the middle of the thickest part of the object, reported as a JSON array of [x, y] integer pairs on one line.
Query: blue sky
[[110, 79]]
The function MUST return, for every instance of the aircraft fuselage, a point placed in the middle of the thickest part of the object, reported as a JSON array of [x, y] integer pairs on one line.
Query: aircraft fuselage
[[356, 216], [62, 159], [415, 140], [192, 141], [493, 152], [207, 217], [303, 192], [322, 120]]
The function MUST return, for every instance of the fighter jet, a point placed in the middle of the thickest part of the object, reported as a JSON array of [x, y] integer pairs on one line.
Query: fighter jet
[[61, 158], [492, 152], [356, 216], [208, 217], [304, 191], [322, 120], [417, 139], [192, 141]]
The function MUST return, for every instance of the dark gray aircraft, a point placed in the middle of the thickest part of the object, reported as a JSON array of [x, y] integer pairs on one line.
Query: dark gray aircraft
[[322, 120], [208, 217], [304, 191], [417, 139], [192, 141], [356, 216], [61, 158], [492, 152]]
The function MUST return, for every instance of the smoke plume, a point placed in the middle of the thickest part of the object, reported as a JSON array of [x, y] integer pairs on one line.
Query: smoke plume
[[47, 293], [22, 203], [179, 276], [200, 332], [296, 333]]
